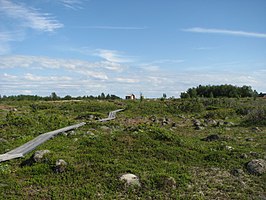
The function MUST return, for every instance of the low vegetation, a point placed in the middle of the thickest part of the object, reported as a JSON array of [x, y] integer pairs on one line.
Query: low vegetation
[[163, 142]]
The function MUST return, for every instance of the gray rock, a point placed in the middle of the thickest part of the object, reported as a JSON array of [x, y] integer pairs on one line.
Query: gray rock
[[249, 139], [211, 122], [39, 156], [130, 180], [60, 166], [243, 155], [257, 166], [72, 133], [196, 122], [210, 138], [229, 123], [199, 127], [256, 129], [2, 140], [237, 172]]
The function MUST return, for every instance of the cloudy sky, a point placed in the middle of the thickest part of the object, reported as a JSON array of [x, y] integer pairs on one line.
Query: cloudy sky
[[85, 47]]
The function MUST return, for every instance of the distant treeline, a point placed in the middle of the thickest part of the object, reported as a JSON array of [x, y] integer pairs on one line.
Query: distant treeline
[[214, 91], [55, 97]]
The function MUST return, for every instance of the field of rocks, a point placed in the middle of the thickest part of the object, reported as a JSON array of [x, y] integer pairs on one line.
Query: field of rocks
[[201, 148]]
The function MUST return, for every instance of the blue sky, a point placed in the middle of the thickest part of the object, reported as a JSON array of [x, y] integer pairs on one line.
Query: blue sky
[[85, 47]]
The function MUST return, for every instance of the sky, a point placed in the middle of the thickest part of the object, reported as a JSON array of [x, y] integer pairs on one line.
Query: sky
[[153, 47]]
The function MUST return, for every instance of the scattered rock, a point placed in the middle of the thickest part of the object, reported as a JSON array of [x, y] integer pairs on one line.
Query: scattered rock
[[229, 123], [249, 139], [220, 123], [243, 155], [106, 129], [229, 148], [130, 180], [60, 166], [210, 122], [199, 127], [213, 137], [256, 129], [2, 140], [72, 133], [64, 133], [89, 133], [237, 172], [254, 154], [39, 156], [257, 166], [196, 122]]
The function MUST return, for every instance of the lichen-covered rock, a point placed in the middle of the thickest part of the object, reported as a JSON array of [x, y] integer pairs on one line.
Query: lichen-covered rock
[[257, 166], [39, 156], [60, 166], [130, 180]]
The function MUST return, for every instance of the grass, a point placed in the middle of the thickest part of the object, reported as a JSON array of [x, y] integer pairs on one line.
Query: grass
[[137, 142]]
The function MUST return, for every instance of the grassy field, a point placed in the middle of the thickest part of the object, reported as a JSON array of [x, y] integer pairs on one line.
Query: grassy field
[[160, 141]]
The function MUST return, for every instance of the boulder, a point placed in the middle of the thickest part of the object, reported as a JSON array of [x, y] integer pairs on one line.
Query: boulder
[[39, 156], [130, 180], [212, 137], [237, 172], [257, 166], [60, 166]]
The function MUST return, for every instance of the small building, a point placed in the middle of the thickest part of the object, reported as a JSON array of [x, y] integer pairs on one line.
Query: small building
[[131, 97]]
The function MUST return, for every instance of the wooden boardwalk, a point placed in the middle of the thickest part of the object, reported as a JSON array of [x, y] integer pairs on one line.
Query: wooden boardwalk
[[111, 116], [31, 145]]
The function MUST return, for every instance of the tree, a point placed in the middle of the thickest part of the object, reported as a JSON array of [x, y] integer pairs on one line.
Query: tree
[[54, 96]]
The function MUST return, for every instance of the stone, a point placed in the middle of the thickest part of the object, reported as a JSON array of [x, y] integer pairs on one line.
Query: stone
[[211, 122], [229, 123], [199, 127], [237, 172], [106, 129], [243, 155], [72, 133], [2, 140], [196, 122], [130, 180], [257, 166], [60, 166], [254, 154], [256, 129], [212, 137], [229, 148], [39, 156], [249, 139]]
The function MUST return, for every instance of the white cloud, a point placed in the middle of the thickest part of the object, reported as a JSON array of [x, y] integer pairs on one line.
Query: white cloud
[[72, 4], [30, 17], [9, 77], [32, 77], [92, 69], [112, 27], [225, 32], [127, 80], [111, 56], [78, 77]]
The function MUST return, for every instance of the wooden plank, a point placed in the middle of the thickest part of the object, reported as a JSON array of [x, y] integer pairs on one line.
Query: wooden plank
[[111, 115], [31, 145]]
